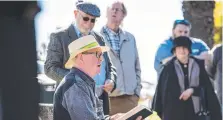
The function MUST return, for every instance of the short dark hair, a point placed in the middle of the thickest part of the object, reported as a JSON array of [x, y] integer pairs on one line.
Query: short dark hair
[[184, 22]]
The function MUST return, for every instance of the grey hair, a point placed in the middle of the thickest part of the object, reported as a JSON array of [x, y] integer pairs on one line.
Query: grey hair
[[123, 6], [124, 9]]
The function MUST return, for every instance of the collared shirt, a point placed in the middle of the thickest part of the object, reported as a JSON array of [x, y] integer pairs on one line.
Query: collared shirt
[[78, 32], [75, 98], [198, 46], [113, 38], [99, 78]]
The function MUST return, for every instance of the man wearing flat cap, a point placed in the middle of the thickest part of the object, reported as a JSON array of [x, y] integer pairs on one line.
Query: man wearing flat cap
[[57, 54], [75, 97]]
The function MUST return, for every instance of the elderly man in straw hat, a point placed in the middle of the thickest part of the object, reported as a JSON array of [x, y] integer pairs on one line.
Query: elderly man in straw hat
[[75, 97], [85, 17]]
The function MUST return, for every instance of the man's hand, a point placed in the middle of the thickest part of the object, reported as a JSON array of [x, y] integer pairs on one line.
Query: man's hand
[[118, 115], [108, 86], [186, 94]]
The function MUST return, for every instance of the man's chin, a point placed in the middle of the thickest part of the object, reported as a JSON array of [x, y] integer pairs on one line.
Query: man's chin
[[85, 32]]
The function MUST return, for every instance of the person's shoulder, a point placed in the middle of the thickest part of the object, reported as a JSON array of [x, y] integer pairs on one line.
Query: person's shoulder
[[168, 63], [67, 81], [168, 67], [217, 47], [165, 43], [199, 61], [60, 31], [196, 40], [127, 33]]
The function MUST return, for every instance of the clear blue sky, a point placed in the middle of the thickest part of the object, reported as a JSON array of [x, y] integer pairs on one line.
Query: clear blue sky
[[149, 20]]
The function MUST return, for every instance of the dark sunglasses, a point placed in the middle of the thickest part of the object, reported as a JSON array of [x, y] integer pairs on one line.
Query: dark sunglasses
[[87, 19], [97, 54]]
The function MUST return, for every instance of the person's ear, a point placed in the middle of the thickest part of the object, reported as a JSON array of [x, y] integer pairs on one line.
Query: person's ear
[[75, 13], [81, 58]]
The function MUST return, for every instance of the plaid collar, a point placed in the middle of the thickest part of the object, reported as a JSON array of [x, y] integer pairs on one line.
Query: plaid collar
[[108, 30], [79, 34]]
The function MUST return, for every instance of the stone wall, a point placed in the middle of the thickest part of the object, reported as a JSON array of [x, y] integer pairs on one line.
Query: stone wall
[[46, 111]]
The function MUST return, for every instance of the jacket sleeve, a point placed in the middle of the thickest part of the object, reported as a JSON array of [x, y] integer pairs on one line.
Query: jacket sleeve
[[138, 72], [111, 70], [157, 103], [53, 67]]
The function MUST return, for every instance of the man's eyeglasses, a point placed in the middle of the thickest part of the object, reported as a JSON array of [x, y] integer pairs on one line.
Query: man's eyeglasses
[[117, 9], [97, 54], [87, 19]]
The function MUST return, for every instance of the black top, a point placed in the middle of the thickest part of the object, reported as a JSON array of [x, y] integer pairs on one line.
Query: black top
[[185, 71]]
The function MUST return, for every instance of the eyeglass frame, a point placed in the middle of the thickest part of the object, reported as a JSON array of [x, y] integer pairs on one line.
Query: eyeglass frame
[[117, 9], [95, 53], [86, 19]]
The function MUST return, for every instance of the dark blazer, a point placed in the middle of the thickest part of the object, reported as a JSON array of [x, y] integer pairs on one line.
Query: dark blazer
[[58, 54]]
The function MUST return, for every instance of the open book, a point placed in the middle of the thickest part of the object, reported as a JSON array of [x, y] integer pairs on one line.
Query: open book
[[139, 110]]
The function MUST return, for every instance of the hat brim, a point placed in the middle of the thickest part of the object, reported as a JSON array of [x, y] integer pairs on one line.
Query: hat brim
[[69, 64]]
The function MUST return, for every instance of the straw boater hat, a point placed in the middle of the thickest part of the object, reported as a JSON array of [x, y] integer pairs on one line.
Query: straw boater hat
[[81, 45]]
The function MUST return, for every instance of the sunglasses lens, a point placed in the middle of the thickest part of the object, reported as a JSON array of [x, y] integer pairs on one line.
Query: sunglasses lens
[[93, 20], [86, 18]]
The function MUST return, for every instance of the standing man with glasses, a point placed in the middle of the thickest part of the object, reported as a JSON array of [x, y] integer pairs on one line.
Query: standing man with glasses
[[58, 54], [125, 58], [75, 97], [180, 28]]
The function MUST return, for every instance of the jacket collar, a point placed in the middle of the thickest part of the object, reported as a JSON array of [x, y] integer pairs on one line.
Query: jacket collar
[[83, 76], [72, 33], [122, 33]]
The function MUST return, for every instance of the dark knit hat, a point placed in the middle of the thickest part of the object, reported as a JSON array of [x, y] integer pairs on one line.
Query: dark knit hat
[[182, 41]]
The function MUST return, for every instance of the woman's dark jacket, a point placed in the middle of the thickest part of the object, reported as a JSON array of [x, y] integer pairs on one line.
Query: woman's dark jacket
[[166, 100]]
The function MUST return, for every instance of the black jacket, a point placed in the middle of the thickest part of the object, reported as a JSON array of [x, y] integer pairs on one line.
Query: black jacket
[[166, 100], [215, 70]]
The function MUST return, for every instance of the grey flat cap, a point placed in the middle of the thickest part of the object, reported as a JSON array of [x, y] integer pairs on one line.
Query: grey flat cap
[[89, 8]]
